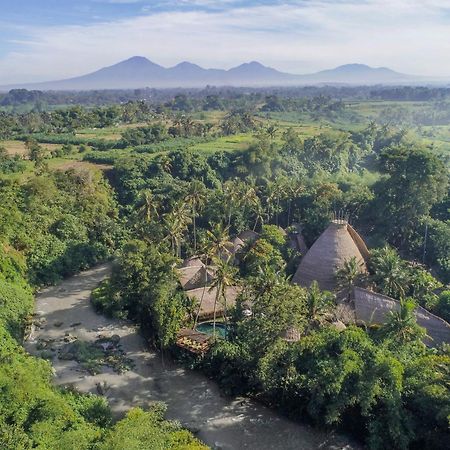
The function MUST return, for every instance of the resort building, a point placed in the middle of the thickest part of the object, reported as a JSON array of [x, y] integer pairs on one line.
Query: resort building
[[337, 244]]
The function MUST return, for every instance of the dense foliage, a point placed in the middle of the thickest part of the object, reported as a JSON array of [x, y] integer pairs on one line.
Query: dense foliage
[[52, 225], [170, 202]]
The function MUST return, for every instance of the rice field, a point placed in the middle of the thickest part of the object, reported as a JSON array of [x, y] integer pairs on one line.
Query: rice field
[[18, 147]]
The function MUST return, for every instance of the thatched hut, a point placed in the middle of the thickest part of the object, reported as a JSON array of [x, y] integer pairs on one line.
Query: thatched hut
[[193, 261], [372, 308], [207, 298], [194, 274], [291, 334], [203, 277], [337, 244]]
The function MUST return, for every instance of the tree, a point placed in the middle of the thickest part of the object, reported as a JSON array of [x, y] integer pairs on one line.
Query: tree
[[147, 207], [401, 326], [196, 198], [319, 305], [176, 222], [232, 198], [224, 277], [349, 275], [389, 272], [35, 151], [416, 180]]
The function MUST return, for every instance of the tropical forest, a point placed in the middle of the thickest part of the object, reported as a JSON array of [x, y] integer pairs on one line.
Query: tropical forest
[[179, 267]]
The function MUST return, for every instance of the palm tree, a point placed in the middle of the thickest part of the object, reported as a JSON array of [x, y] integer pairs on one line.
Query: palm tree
[[147, 207], [248, 197], [259, 213], [276, 190], [389, 272], [293, 191], [318, 305], [217, 244], [271, 131], [196, 198], [175, 223], [218, 238], [224, 277], [164, 163], [349, 275], [231, 191], [402, 325]]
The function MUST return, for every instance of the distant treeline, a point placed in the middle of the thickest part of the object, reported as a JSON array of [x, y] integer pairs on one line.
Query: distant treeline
[[40, 100]]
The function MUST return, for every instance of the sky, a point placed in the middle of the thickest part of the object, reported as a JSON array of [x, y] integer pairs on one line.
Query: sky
[[54, 39]]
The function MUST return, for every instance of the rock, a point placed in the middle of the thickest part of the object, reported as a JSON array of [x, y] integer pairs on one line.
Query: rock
[[76, 324], [70, 338], [115, 338], [57, 324]]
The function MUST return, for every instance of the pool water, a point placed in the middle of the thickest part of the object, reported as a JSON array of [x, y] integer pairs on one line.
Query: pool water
[[208, 328]]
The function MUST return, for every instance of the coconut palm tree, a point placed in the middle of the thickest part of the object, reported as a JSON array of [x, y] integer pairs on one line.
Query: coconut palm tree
[[318, 305], [349, 275], [196, 198], [147, 207], [218, 238], [176, 223], [217, 244], [231, 192], [293, 191], [164, 163], [389, 272], [401, 325], [271, 131], [259, 214], [224, 277]]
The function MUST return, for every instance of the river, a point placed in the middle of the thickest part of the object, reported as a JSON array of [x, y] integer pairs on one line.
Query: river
[[192, 399]]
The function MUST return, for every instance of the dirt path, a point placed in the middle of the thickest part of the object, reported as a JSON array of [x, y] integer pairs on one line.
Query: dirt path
[[191, 398]]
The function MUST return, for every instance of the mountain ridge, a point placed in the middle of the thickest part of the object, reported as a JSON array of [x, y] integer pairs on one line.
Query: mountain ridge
[[140, 72]]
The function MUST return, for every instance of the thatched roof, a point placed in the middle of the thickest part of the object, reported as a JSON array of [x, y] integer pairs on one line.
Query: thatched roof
[[291, 334], [193, 277], [248, 236], [374, 308], [338, 325], [337, 244], [193, 261], [209, 297], [193, 340], [238, 244]]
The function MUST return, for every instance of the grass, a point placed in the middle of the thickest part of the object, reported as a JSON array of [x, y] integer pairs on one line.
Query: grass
[[225, 143], [18, 147], [108, 133]]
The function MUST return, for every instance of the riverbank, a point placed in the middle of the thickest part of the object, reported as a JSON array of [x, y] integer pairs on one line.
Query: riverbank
[[65, 313]]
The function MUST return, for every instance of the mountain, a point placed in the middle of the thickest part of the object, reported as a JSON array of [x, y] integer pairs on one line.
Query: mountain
[[139, 72], [358, 74]]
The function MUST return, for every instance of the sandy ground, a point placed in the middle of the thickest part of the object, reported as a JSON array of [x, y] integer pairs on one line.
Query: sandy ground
[[192, 399]]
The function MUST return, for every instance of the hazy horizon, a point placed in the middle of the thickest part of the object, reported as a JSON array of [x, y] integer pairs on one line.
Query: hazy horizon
[[55, 40]]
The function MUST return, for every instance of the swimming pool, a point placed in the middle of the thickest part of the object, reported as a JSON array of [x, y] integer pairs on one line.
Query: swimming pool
[[208, 327]]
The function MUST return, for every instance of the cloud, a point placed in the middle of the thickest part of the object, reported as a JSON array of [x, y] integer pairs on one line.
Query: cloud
[[410, 36]]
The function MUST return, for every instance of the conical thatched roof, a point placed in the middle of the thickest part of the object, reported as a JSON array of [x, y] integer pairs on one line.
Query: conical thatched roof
[[328, 254]]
